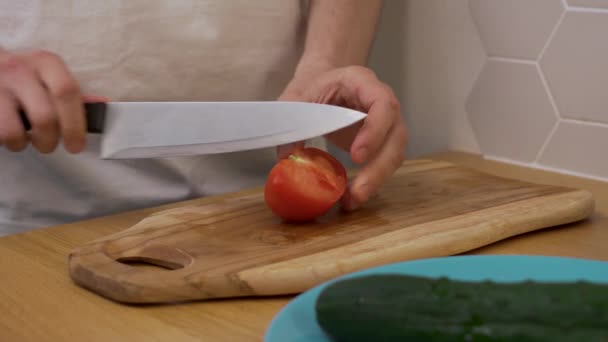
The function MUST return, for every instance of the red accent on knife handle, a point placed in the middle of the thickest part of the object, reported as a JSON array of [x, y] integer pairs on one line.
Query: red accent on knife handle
[[95, 113]]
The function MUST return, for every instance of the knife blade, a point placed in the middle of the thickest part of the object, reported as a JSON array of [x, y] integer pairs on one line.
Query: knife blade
[[133, 130]]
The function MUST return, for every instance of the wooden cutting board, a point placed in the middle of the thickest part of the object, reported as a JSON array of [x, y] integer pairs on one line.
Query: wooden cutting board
[[233, 245]]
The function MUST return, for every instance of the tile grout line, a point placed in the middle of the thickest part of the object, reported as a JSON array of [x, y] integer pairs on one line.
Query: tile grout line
[[543, 80], [512, 60], [580, 9], [473, 85], [585, 123], [552, 35], [465, 109], [543, 147], [552, 101]]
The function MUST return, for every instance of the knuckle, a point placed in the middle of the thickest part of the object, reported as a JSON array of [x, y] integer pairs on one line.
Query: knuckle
[[43, 120], [368, 72], [44, 55], [43, 116], [364, 71], [388, 91], [13, 63], [65, 89], [393, 102]]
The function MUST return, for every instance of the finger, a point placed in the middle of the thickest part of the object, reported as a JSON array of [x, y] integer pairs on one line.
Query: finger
[[94, 98], [12, 133], [382, 115], [66, 98], [344, 137], [380, 167], [383, 110], [28, 92]]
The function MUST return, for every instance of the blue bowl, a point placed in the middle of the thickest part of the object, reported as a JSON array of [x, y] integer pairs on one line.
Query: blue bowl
[[297, 320]]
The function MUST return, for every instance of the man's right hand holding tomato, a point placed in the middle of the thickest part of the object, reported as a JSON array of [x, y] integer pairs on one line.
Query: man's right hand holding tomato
[[40, 83]]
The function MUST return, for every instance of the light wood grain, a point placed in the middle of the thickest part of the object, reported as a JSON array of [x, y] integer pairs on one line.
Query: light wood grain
[[235, 247], [39, 301]]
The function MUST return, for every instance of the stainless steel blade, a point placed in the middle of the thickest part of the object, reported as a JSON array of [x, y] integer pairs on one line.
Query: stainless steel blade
[[164, 129]]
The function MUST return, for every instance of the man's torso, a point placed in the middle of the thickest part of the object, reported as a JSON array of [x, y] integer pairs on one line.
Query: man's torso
[[145, 50]]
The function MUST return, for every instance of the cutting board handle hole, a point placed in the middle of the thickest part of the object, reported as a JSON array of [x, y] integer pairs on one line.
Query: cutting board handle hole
[[146, 262]]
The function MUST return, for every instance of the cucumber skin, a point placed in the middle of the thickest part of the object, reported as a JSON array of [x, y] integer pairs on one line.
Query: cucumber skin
[[408, 308]]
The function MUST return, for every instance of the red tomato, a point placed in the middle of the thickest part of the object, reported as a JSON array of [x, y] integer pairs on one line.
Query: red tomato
[[305, 185]]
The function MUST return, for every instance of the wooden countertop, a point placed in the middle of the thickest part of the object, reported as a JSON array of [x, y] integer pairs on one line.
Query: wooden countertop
[[39, 302]]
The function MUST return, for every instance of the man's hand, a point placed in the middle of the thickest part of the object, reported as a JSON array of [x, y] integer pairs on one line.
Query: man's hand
[[40, 84], [378, 143], [331, 70]]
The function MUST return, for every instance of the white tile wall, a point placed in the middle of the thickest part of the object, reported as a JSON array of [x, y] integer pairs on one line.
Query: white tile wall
[[576, 66], [515, 28], [542, 97], [510, 110], [523, 81], [578, 147]]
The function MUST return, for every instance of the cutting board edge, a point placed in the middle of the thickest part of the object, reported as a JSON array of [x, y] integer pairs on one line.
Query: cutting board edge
[[577, 211], [140, 288]]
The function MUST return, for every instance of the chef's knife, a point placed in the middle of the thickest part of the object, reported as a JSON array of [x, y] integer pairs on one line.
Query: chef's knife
[[132, 130]]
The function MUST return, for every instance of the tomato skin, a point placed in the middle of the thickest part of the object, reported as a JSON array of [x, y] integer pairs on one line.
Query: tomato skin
[[305, 185]]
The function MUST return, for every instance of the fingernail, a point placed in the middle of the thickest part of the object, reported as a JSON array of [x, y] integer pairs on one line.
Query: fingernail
[[359, 197]]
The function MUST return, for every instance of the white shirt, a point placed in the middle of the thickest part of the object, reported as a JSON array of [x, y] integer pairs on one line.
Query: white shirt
[[145, 50]]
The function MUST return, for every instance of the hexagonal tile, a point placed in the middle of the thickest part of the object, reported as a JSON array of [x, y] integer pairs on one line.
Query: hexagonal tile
[[574, 65], [589, 3], [515, 28], [578, 147], [510, 110]]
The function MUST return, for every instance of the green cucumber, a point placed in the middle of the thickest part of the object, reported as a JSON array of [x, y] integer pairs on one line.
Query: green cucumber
[[409, 308]]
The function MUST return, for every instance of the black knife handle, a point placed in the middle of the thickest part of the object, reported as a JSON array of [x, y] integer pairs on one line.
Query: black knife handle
[[95, 113]]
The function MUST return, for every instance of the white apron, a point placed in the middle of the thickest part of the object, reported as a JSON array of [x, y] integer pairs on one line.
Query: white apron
[[145, 50]]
